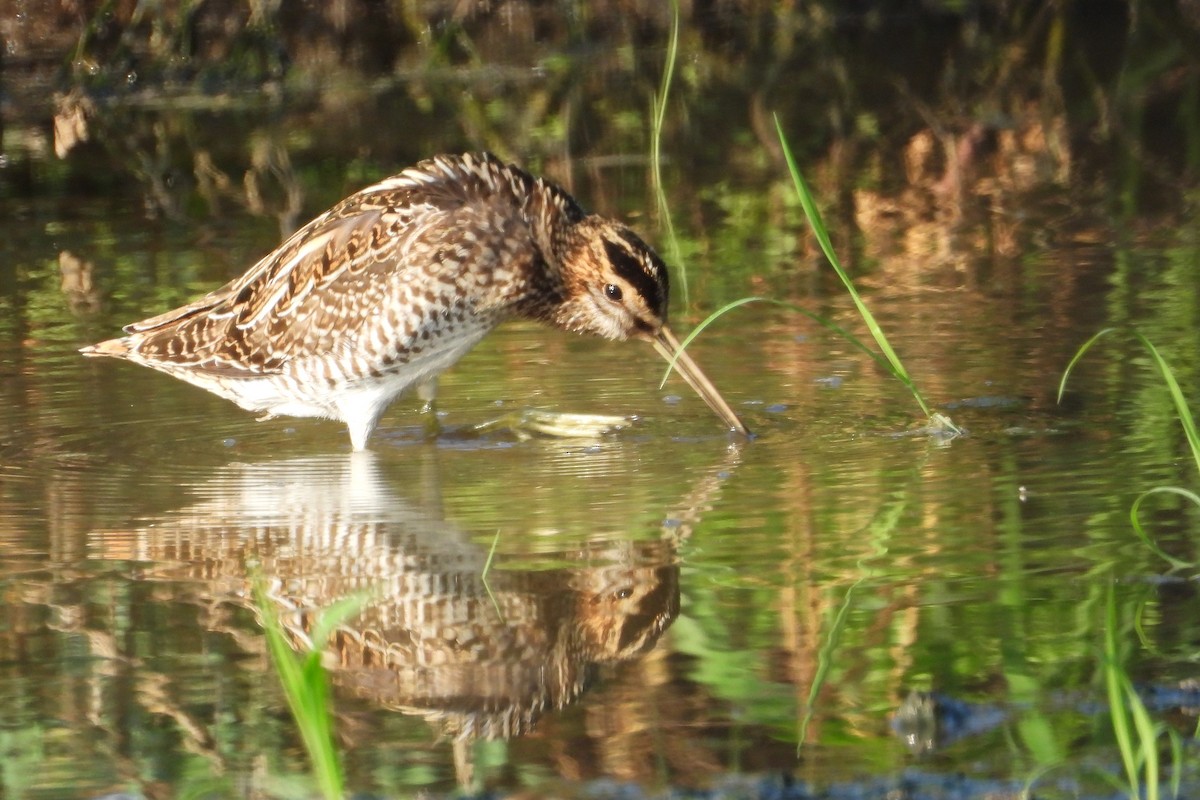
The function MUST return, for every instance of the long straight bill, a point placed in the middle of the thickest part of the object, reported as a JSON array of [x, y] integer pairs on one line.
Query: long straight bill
[[668, 347]]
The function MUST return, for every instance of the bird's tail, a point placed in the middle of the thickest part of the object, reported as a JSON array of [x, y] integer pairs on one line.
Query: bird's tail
[[114, 348]]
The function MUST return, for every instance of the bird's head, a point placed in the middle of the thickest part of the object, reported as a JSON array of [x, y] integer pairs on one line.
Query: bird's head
[[615, 286]]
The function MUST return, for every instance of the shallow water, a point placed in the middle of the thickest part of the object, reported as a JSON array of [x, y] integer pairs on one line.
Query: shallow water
[[665, 606]]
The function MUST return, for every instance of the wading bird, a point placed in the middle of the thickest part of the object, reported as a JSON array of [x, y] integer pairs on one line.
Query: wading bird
[[396, 283]]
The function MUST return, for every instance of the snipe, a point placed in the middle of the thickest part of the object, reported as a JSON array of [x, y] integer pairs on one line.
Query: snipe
[[396, 283]]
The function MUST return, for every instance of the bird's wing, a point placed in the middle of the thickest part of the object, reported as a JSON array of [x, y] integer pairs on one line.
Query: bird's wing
[[356, 274]]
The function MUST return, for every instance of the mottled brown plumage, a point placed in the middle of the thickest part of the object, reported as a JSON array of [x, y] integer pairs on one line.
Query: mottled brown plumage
[[397, 282]]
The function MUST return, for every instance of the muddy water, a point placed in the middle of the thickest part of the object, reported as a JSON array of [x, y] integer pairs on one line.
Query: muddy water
[[665, 605]]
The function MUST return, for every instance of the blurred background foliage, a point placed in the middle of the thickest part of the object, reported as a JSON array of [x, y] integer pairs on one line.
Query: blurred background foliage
[[927, 121]]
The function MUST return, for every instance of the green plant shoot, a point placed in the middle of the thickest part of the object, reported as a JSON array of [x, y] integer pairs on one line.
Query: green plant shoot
[[306, 684]]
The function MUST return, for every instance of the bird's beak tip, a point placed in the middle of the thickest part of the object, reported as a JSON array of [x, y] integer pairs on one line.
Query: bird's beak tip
[[668, 347]]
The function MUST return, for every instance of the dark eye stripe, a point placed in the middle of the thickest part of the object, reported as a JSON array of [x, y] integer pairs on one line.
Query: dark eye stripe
[[658, 270], [630, 268]]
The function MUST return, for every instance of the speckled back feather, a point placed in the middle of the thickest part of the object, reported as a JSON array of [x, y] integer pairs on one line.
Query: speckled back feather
[[301, 299]]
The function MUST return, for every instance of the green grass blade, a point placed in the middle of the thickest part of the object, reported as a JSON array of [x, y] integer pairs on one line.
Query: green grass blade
[[880, 532], [1062, 384], [334, 615], [819, 230], [658, 119], [723, 310], [657, 122], [825, 657], [1147, 733], [1186, 420], [306, 688], [1176, 760], [1135, 520], [815, 221], [1034, 776], [1113, 674], [487, 568], [1181, 406], [317, 727]]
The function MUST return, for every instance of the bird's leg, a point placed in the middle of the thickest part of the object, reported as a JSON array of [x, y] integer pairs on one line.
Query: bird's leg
[[427, 391]]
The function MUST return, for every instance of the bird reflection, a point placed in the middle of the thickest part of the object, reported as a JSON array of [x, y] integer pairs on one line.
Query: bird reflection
[[477, 656]]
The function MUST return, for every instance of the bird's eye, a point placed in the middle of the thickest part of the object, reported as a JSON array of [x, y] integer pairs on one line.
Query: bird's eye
[[613, 292]]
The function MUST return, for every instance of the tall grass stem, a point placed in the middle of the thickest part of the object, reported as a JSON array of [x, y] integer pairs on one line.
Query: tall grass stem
[[657, 122], [818, 228]]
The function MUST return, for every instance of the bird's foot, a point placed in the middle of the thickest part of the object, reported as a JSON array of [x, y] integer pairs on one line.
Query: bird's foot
[[429, 418], [530, 422]]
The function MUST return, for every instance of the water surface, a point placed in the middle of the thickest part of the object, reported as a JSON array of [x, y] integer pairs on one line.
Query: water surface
[[665, 606]]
